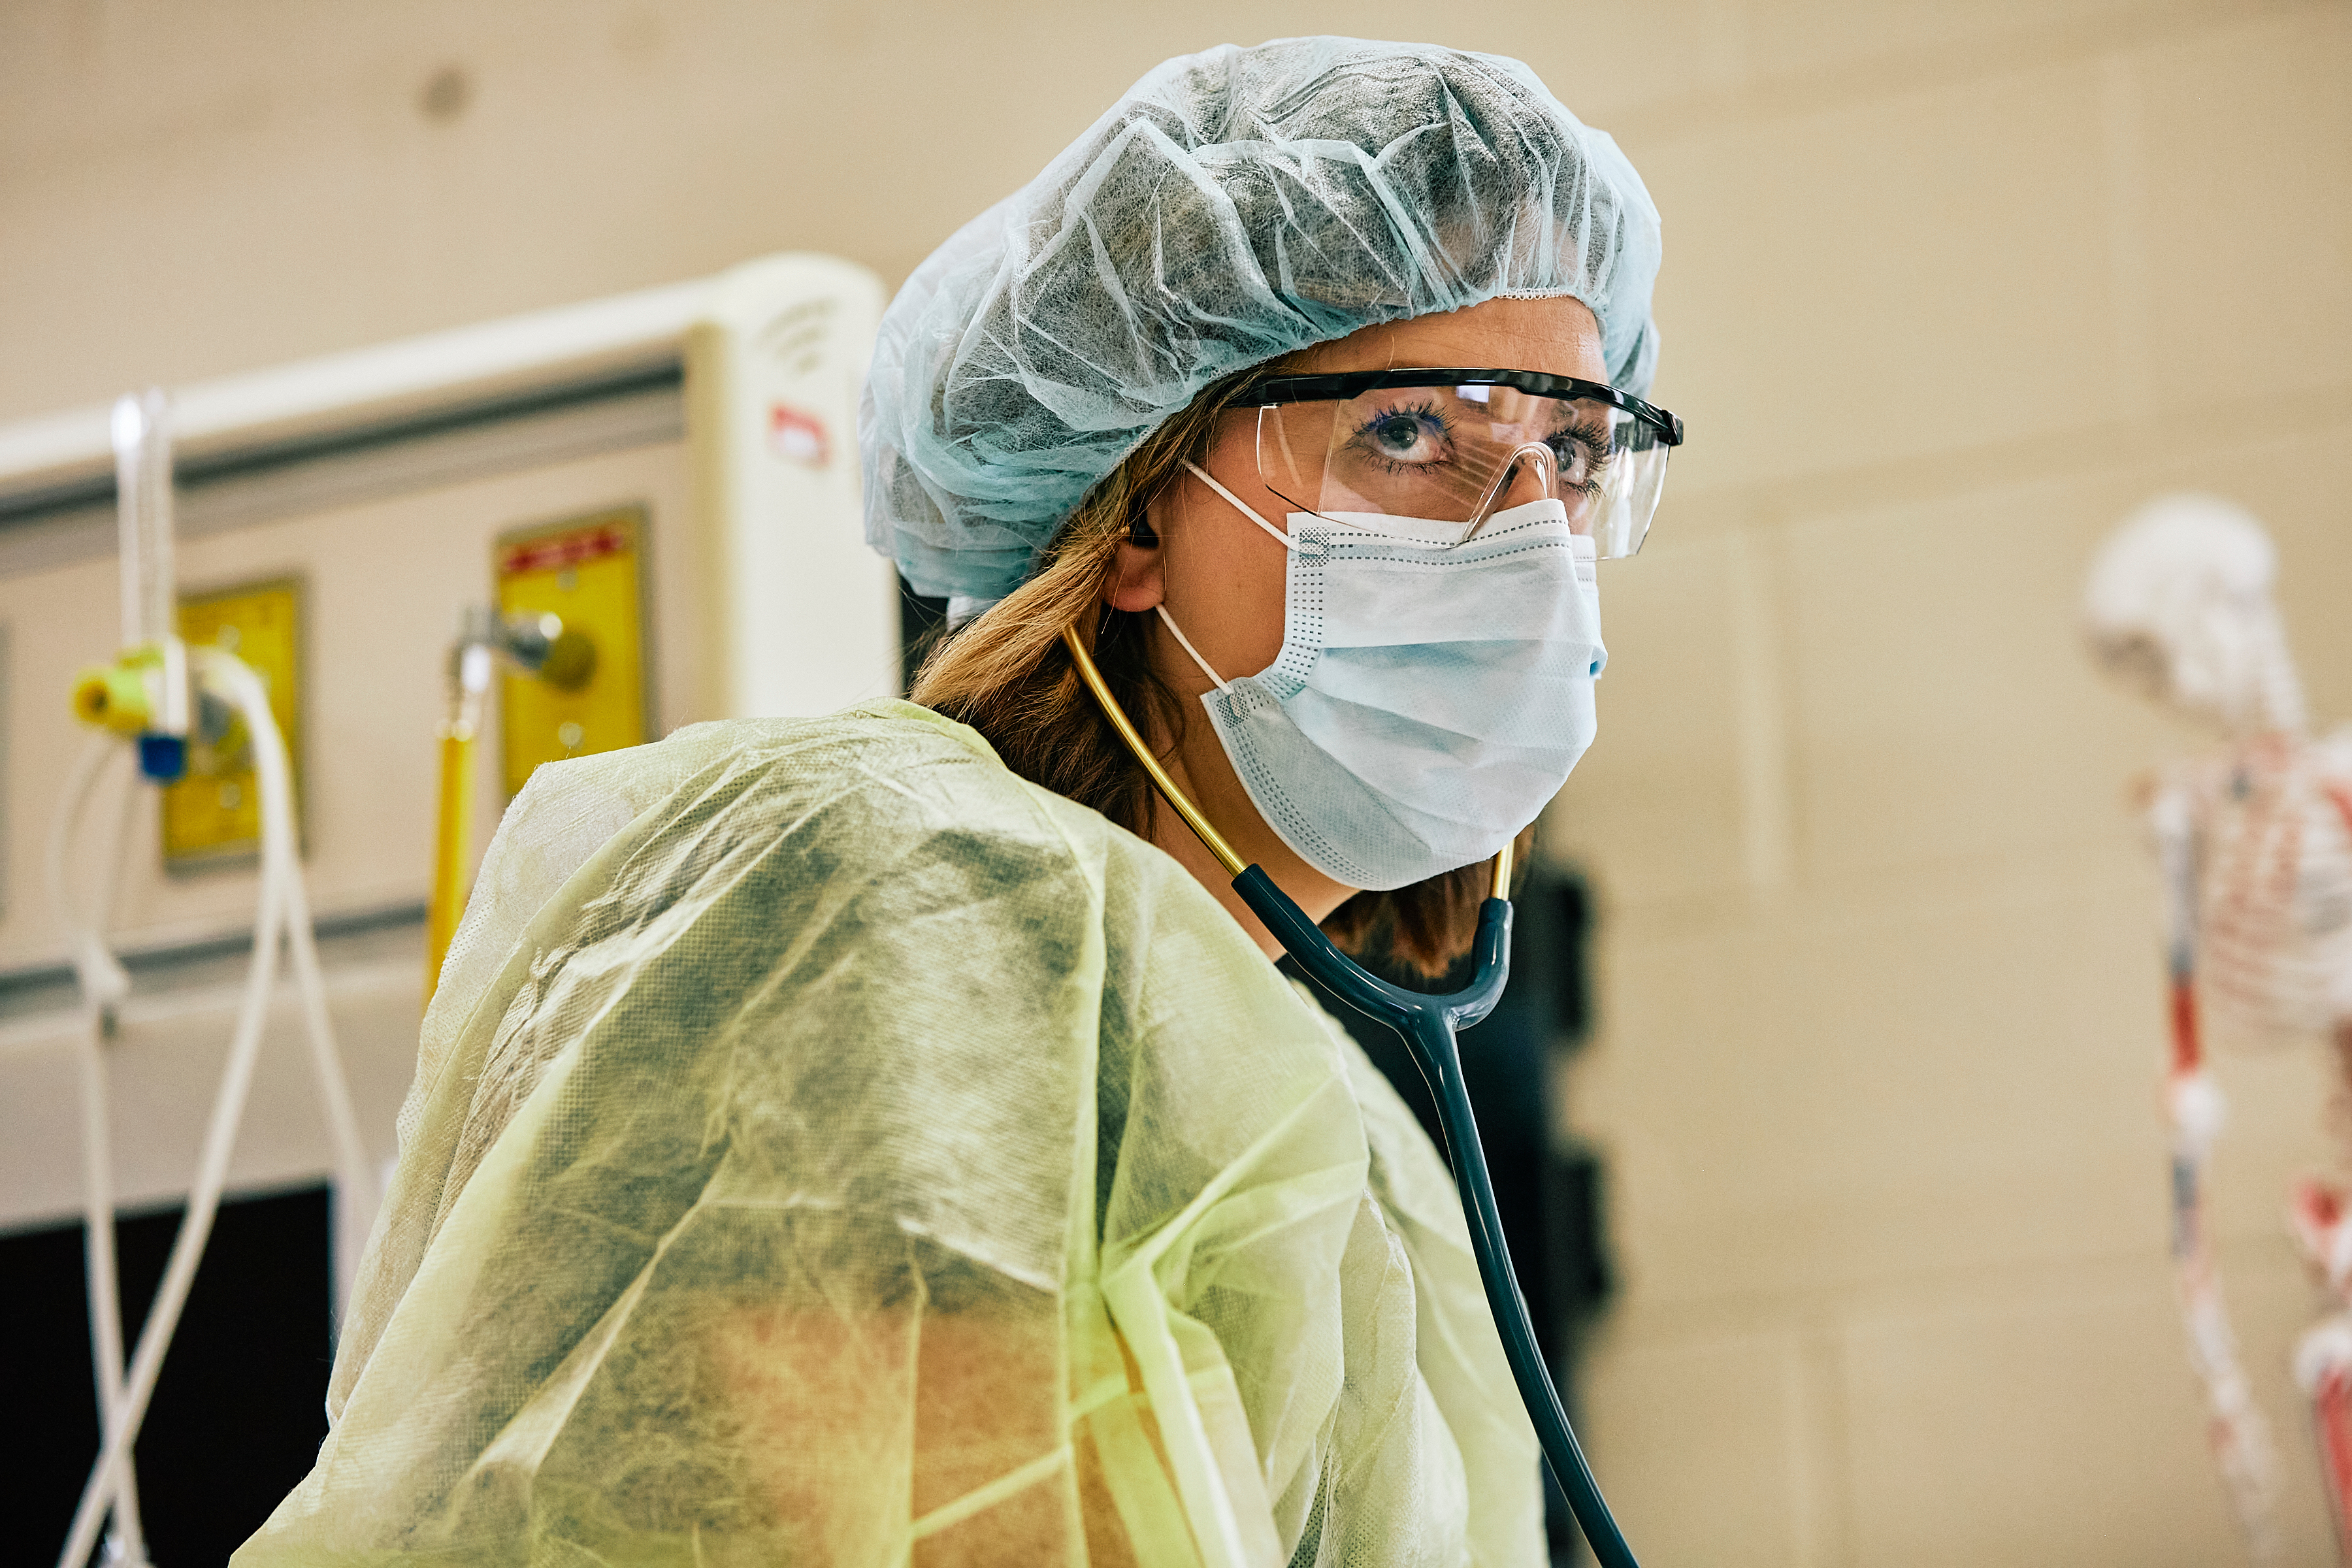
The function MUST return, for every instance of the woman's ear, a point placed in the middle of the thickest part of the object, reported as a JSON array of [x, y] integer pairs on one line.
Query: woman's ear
[[1138, 579]]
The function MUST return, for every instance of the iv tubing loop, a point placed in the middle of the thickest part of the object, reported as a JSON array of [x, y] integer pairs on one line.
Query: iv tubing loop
[[102, 987], [1428, 1024], [283, 911]]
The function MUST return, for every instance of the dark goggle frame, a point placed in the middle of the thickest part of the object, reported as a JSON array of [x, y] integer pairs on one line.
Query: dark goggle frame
[[1643, 436], [1346, 384]]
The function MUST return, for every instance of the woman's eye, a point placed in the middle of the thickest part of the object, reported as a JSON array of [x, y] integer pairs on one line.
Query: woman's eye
[[1400, 437], [1580, 463]]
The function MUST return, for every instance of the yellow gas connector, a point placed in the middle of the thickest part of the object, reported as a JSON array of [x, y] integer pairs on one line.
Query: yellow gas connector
[[117, 696]]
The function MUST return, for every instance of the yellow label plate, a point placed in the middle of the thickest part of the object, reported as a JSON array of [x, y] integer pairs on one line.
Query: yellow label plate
[[214, 812], [585, 571]]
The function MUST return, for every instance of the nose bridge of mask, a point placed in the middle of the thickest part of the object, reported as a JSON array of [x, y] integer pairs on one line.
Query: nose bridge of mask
[[1436, 533], [1418, 529], [1525, 586], [1378, 607]]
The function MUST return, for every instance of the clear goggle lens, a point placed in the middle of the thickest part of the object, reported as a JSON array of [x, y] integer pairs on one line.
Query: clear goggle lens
[[1458, 455]]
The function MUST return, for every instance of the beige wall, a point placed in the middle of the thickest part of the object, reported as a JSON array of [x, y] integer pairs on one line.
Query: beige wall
[[1880, 976], [1948, 288]]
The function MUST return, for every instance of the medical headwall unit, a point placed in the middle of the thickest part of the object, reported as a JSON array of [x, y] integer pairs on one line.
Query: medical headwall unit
[[674, 468]]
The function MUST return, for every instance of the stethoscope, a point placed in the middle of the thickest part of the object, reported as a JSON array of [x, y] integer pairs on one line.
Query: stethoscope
[[1428, 1024]]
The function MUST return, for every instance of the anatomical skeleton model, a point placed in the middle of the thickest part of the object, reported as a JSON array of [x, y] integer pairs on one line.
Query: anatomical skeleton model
[[2256, 844]]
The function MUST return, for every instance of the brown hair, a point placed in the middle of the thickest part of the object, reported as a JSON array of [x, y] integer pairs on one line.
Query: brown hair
[[1008, 675]]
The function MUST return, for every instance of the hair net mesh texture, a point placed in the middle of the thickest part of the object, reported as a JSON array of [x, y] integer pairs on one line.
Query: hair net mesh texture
[[1235, 206], [827, 1148]]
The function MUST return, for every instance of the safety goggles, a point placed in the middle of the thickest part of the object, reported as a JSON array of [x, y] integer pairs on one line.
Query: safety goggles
[[1455, 446]]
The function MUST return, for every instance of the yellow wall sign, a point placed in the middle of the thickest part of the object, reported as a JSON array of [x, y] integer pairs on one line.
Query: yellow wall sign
[[586, 572], [214, 812]]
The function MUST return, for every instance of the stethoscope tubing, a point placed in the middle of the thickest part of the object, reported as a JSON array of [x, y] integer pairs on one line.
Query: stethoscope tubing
[[1428, 1024]]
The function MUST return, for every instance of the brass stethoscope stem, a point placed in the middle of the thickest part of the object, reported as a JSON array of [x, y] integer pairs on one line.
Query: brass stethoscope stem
[[1202, 826]]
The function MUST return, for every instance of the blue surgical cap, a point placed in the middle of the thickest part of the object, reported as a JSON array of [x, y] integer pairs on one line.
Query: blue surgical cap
[[1237, 205]]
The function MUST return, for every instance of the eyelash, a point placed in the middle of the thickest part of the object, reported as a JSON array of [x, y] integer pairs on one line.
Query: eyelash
[[1426, 411], [1596, 457]]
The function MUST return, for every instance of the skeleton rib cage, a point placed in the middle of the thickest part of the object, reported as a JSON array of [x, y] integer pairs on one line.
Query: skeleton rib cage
[[2274, 894]]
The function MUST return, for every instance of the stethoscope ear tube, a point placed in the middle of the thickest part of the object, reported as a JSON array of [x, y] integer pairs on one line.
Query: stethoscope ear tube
[[1428, 1024]]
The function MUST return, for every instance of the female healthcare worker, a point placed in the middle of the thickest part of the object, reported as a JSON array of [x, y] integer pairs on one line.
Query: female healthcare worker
[[882, 1138]]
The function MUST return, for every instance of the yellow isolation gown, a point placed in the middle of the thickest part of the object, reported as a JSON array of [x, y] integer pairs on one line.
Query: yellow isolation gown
[[828, 1148]]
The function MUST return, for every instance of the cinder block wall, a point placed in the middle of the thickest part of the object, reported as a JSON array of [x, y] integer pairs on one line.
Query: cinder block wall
[[1949, 288]]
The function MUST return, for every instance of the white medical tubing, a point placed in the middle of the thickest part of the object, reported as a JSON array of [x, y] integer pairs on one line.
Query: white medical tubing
[[102, 986], [204, 1197], [281, 897], [355, 1195], [354, 1182]]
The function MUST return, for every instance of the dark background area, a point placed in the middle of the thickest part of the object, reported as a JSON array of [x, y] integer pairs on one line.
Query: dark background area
[[239, 1411]]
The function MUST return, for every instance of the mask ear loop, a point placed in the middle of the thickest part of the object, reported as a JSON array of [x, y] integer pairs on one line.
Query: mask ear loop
[[1247, 510], [1184, 642], [1240, 505]]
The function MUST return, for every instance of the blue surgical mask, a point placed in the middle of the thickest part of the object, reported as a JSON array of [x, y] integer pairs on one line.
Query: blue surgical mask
[[1431, 694]]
